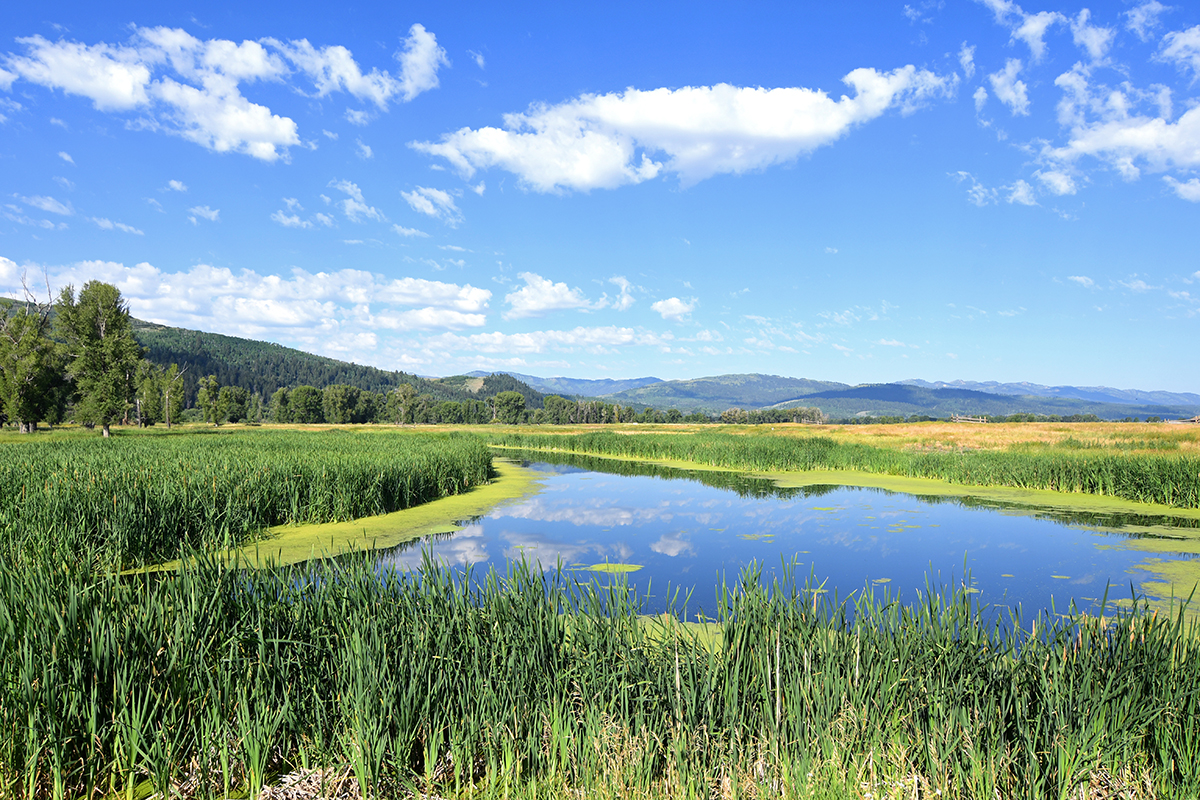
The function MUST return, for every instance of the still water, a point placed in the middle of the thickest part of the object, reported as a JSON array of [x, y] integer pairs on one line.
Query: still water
[[664, 529]]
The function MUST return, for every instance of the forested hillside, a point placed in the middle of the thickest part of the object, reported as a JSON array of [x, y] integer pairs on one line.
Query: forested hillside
[[264, 367]]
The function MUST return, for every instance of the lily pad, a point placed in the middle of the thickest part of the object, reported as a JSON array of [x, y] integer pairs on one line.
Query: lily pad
[[614, 568]]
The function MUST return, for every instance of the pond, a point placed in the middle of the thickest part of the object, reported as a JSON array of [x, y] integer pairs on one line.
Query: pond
[[664, 529]]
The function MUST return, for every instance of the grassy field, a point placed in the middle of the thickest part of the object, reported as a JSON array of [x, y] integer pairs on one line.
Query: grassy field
[[143, 499], [215, 680]]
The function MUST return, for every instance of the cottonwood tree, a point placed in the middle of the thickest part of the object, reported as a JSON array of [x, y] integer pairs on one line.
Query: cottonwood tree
[[102, 355], [30, 371], [208, 397]]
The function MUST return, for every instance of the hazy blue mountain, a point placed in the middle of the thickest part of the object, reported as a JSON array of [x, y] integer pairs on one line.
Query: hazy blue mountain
[[576, 386], [716, 393], [1099, 394]]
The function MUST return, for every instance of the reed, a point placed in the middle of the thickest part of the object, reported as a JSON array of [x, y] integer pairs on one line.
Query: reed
[[142, 500], [215, 679], [1172, 480]]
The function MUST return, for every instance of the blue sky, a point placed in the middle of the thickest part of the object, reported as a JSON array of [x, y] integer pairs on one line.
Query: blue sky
[[854, 192]]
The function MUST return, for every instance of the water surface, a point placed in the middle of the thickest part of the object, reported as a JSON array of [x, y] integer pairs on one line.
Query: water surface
[[664, 529]]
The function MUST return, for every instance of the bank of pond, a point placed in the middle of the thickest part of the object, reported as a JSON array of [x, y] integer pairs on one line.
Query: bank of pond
[[613, 628]]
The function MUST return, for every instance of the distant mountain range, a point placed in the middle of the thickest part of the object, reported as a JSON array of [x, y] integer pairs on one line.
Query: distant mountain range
[[575, 386], [716, 393], [1097, 394], [264, 367]]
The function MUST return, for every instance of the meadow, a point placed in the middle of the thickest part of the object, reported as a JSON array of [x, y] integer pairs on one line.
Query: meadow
[[1160, 473], [214, 679], [217, 681], [140, 500]]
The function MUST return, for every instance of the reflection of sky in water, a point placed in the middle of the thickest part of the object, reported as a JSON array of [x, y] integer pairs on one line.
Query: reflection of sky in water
[[688, 535]]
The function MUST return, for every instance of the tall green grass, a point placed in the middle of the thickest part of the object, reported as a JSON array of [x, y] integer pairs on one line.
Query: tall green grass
[[142, 500], [1168, 479], [215, 680]]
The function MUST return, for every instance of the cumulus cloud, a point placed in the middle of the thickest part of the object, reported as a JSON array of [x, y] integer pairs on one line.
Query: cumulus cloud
[[600, 339], [1182, 48], [1028, 28], [1082, 280], [1189, 191], [354, 206], [1021, 192], [65, 156], [541, 295], [980, 97], [1091, 39], [192, 88], [625, 299], [673, 307], [434, 202], [1060, 183], [966, 57], [1010, 91], [1143, 19], [977, 193], [177, 186], [109, 225], [409, 232], [290, 220], [609, 140], [210, 214], [364, 150], [321, 311]]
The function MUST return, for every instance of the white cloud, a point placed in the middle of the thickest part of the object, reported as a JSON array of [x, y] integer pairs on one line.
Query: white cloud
[[832, 251], [1143, 19], [324, 219], [191, 88], [357, 117], [434, 202], [1182, 48], [1129, 142], [1060, 183], [419, 62], [65, 156], [625, 298], [1082, 280], [66, 183], [1032, 31], [1094, 41], [600, 339], [49, 205], [337, 313], [1138, 285], [966, 57], [673, 307], [210, 214], [1187, 191], [479, 189], [364, 150], [605, 141], [177, 186], [108, 225], [409, 232], [540, 295], [293, 204], [1021, 192], [890, 343], [980, 98], [329, 134], [477, 58], [290, 221], [354, 206], [977, 193], [1008, 89]]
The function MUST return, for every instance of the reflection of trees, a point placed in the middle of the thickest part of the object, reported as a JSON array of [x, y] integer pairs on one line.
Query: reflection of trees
[[744, 485], [1091, 519]]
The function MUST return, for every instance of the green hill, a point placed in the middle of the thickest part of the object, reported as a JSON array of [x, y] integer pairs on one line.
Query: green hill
[[264, 367]]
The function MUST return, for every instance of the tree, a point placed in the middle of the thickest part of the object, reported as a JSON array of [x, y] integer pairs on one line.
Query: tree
[[279, 410], [305, 405], [339, 402], [30, 372], [148, 399], [509, 407], [231, 403], [102, 355], [171, 386], [399, 402], [208, 398]]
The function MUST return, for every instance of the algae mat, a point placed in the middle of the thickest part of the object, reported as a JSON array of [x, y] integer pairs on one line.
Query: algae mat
[[289, 544]]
